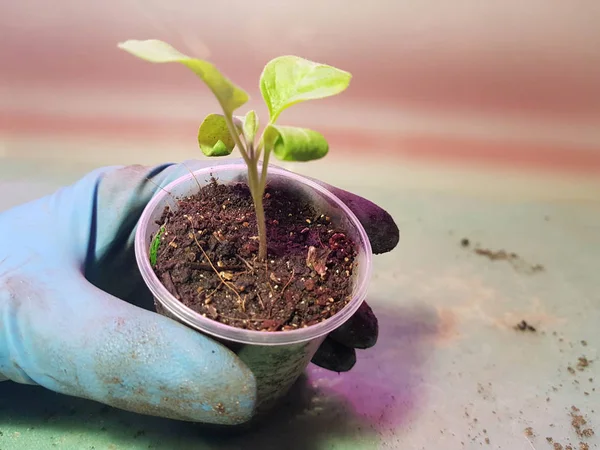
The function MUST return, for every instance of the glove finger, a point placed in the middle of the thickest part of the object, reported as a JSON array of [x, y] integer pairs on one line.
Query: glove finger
[[60, 332], [383, 232], [334, 356], [337, 353], [360, 331]]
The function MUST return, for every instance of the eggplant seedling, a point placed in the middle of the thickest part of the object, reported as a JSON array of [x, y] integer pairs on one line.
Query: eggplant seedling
[[285, 81]]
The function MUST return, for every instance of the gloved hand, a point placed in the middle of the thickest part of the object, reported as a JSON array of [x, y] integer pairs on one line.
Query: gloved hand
[[67, 260]]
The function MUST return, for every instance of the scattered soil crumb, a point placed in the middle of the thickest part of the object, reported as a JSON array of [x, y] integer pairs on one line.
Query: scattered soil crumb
[[524, 326], [558, 446], [584, 343], [583, 446], [529, 432], [582, 363], [578, 423], [550, 440], [502, 255], [487, 441], [493, 255], [571, 370]]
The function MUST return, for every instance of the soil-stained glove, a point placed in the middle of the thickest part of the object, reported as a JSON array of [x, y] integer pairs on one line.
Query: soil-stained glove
[[77, 318]]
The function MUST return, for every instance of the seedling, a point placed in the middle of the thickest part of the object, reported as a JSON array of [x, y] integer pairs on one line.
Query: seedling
[[154, 246], [284, 81]]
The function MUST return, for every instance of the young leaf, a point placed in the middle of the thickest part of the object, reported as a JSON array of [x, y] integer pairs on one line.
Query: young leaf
[[250, 126], [228, 94], [288, 80], [214, 137], [154, 246], [295, 144]]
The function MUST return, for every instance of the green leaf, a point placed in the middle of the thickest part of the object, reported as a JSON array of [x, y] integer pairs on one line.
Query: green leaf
[[295, 144], [229, 95], [154, 246], [214, 137], [288, 80], [250, 126]]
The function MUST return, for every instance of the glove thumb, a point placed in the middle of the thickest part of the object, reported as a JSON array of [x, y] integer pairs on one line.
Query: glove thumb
[[59, 331]]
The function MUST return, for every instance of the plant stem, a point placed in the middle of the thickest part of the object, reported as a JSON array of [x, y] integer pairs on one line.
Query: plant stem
[[236, 138], [257, 190], [259, 147], [256, 185], [265, 166]]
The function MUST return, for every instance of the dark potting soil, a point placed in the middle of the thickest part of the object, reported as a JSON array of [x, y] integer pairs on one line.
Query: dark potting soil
[[208, 259]]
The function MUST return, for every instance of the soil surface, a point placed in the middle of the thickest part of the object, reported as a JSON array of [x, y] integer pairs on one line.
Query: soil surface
[[208, 259]]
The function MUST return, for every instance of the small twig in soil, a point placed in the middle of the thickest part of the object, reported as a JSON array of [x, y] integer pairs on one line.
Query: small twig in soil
[[250, 266], [230, 287], [168, 281], [248, 319], [321, 242], [260, 301], [289, 281], [234, 319], [214, 290], [208, 267]]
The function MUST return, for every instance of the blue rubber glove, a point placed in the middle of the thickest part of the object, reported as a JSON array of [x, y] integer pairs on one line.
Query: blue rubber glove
[[76, 317]]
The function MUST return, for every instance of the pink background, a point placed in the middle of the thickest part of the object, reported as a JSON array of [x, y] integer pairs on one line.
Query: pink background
[[508, 82]]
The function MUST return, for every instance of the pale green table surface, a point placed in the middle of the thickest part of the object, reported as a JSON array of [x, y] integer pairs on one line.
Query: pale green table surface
[[449, 371]]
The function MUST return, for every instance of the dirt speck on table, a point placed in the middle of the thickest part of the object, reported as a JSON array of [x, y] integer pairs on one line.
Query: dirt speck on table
[[578, 422], [582, 363], [502, 255], [529, 432], [524, 326]]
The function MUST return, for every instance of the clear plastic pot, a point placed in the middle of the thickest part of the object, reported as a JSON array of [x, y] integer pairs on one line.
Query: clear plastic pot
[[277, 359]]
